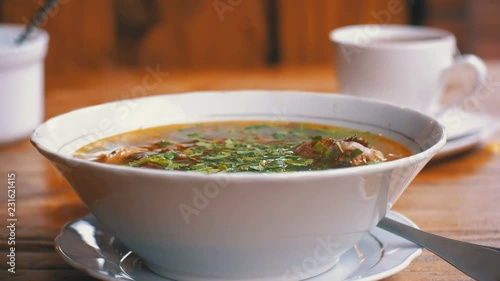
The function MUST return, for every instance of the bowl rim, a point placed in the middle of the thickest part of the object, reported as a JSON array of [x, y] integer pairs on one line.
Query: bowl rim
[[413, 159]]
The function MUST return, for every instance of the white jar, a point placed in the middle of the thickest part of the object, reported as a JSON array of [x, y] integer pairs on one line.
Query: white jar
[[21, 82]]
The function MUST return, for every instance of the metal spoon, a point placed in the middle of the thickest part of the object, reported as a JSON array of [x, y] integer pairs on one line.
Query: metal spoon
[[36, 20], [477, 261]]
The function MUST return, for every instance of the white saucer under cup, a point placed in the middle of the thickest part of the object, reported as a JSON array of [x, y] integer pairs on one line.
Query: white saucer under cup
[[405, 65]]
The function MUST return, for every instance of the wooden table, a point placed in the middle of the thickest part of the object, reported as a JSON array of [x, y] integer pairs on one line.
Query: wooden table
[[457, 197]]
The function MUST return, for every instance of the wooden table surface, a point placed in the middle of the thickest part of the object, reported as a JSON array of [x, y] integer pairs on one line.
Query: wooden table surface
[[458, 197]]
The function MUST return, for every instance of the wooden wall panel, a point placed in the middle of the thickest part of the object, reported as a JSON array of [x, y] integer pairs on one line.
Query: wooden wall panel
[[184, 33], [304, 25], [194, 33], [450, 15], [475, 23], [81, 32], [484, 28], [197, 34], [97, 32]]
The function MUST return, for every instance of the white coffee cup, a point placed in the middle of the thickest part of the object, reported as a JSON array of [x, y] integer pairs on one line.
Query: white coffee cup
[[405, 65], [21, 82]]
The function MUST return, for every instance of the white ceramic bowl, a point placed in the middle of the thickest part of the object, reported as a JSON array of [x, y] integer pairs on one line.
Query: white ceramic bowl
[[241, 226]]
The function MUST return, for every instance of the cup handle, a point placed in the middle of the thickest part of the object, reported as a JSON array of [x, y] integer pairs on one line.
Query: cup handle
[[481, 74]]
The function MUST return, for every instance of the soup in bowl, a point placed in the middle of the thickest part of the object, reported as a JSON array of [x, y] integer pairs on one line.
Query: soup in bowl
[[242, 185]]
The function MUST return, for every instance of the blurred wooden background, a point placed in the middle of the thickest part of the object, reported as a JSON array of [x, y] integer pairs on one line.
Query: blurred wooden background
[[476, 23], [97, 34], [197, 33]]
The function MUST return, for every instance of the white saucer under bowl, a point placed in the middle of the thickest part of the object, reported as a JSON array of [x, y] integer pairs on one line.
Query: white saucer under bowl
[[87, 246]]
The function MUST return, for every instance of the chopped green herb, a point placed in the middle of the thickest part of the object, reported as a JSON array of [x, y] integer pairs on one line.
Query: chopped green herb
[[170, 155], [355, 153], [204, 144], [163, 143], [229, 143], [157, 159], [194, 135], [280, 135], [256, 127], [321, 148], [339, 146]]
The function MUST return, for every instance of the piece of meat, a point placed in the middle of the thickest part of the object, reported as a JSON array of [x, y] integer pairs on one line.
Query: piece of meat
[[118, 156], [351, 151], [133, 153]]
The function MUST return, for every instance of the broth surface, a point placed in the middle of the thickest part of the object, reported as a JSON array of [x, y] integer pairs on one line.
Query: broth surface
[[239, 146]]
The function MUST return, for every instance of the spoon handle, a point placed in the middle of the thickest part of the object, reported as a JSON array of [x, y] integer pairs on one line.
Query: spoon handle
[[479, 262], [36, 20]]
